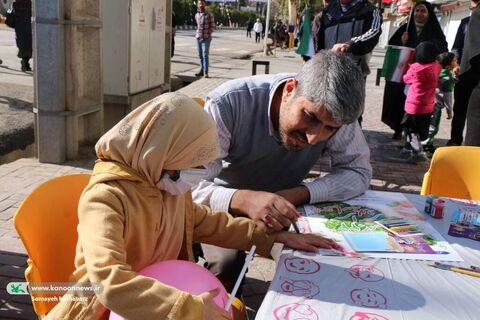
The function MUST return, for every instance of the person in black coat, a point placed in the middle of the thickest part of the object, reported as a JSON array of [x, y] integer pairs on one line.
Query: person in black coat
[[2, 20], [470, 67], [464, 87], [423, 26], [174, 31], [249, 28], [352, 27], [23, 31]]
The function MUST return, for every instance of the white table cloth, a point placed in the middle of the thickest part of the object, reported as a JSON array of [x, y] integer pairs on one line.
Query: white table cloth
[[314, 287]]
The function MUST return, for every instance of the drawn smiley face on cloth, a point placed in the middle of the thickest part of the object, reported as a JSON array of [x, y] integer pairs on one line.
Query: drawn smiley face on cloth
[[301, 265], [368, 298], [300, 288], [295, 311], [366, 316], [365, 272]]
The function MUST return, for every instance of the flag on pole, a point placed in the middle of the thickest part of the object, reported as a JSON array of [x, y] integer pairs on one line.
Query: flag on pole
[[305, 48], [397, 60], [404, 6]]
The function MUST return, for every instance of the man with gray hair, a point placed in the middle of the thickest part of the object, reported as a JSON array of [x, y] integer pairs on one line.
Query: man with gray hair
[[272, 129]]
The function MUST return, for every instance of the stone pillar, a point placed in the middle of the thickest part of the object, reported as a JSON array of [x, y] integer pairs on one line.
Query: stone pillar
[[84, 69], [292, 12], [68, 77], [49, 80], [267, 28]]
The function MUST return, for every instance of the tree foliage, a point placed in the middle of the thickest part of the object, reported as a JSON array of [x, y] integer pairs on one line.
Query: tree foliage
[[185, 13], [224, 14]]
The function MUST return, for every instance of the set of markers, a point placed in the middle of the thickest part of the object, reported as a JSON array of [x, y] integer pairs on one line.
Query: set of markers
[[465, 223], [399, 227], [467, 217]]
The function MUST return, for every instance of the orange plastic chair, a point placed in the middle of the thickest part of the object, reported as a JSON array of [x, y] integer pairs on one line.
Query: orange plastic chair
[[47, 224], [454, 172], [238, 309], [200, 101]]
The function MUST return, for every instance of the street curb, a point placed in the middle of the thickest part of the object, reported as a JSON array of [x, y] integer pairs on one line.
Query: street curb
[[16, 139]]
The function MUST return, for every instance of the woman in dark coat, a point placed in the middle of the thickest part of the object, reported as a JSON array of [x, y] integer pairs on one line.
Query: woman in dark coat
[[23, 31], [470, 67], [423, 26]]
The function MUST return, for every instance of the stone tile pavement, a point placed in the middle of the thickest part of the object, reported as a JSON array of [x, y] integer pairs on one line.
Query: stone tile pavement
[[18, 178]]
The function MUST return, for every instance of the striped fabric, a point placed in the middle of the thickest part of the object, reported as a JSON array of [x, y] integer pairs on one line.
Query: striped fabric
[[205, 25], [373, 31], [396, 62]]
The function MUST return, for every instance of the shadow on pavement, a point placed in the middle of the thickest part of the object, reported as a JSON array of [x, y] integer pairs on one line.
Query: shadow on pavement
[[16, 103], [12, 268]]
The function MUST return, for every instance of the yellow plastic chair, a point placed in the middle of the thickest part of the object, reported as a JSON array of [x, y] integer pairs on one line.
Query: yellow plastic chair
[[454, 172], [47, 224]]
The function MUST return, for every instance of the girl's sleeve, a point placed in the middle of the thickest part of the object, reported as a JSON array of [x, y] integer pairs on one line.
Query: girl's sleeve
[[408, 77], [132, 296], [222, 229]]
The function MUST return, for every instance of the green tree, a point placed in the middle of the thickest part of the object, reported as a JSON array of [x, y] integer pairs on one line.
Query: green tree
[[184, 11]]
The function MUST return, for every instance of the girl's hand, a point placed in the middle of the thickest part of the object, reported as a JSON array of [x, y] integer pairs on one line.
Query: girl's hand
[[306, 242], [211, 310]]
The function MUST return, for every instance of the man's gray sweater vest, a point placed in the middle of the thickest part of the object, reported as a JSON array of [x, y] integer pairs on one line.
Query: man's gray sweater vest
[[256, 160]]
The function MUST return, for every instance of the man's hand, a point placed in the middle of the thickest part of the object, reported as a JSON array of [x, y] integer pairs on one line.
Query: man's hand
[[341, 47], [269, 211], [211, 310], [404, 38], [306, 242]]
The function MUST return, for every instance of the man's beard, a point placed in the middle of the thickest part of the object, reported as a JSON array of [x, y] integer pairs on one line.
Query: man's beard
[[284, 136]]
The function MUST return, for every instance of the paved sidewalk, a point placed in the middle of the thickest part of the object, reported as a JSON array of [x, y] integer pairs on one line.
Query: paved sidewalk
[[16, 96], [18, 178]]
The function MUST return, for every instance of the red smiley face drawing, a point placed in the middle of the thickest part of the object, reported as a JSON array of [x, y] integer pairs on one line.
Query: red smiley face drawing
[[300, 288], [301, 265], [368, 298], [295, 311], [367, 316], [366, 273]]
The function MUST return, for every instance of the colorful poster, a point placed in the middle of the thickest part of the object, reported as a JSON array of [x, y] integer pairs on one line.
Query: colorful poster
[[357, 224]]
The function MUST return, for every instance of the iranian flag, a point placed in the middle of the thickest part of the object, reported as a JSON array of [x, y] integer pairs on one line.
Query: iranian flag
[[396, 62], [404, 6], [305, 47]]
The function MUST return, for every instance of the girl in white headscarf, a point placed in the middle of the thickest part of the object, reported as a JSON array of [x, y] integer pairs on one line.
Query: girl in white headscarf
[[135, 212]]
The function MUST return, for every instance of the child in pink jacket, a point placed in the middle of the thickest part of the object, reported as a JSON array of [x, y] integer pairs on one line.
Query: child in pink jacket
[[421, 79]]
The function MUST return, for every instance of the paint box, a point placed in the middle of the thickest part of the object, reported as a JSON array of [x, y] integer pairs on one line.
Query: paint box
[[465, 223]]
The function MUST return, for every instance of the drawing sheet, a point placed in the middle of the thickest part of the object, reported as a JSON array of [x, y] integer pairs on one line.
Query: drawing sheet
[[332, 219]]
